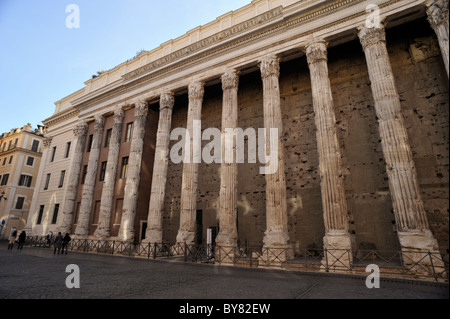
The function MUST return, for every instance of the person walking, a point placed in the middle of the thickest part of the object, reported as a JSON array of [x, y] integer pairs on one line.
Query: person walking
[[65, 243], [49, 238], [22, 238], [58, 243], [12, 239]]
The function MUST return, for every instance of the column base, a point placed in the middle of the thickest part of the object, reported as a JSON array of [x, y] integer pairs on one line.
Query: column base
[[101, 234], [276, 249], [187, 237], [153, 236], [420, 253], [337, 251]]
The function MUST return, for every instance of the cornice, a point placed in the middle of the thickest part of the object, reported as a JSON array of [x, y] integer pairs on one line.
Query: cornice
[[246, 33], [60, 117]]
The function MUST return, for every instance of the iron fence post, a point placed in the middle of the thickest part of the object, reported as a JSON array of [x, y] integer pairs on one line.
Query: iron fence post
[[432, 266]]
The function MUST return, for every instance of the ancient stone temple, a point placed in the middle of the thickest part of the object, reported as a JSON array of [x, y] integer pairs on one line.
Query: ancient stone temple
[[350, 96]]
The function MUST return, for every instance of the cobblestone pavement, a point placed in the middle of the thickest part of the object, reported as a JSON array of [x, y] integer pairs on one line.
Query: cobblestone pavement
[[35, 273]]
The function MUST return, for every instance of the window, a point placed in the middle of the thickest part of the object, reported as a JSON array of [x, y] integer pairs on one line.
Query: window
[[15, 142], [123, 171], [4, 146], [55, 214], [102, 172], [89, 144], [35, 146], [83, 177], [53, 154], [41, 212], [9, 145], [19, 203], [30, 161], [10, 159], [4, 161], [61, 179], [128, 132], [108, 137], [25, 180], [47, 181], [5, 180], [66, 154]]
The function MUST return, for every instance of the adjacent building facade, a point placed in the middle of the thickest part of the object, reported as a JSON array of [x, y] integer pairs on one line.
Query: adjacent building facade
[[358, 96], [20, 157]]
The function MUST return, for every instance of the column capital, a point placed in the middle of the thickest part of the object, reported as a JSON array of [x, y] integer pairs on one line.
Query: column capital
[[196, 90], [166, 100], [437, 12], [316, 50], [81, 128], [119, 114], [371, 36], [141, 108], [99, 122], [47, 141], [230, 79], [270, 66]]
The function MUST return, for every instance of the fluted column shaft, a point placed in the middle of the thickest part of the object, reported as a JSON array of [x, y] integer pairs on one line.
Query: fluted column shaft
[[227, 236], [103, 228], [276, 234], [80, 132], [437, 12], [186, 232], [331, 180], [154, 233], [126, 230], [82, 229], [411, 219]]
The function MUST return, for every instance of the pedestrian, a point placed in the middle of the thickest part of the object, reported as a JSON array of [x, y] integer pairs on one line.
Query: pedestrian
[[12, 239], [58, 243], [65, 242], [49, 238], [22, 237]]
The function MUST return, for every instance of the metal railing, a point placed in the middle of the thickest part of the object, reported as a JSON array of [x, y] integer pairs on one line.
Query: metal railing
[[404, 264]]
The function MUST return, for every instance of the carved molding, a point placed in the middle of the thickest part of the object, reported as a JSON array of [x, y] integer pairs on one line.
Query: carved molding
[[141, 109], [371, 36], [166, 100], [270, 66], [196, 90], [99, 123], [80, 129], [119, 115], [437, 12], [47, 141], [316, 51], [230, 80]]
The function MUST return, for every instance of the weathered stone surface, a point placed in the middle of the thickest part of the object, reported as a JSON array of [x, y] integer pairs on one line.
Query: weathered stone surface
[[103, 229], [154, 232], [186, 232], [126, 230], [83, 223]]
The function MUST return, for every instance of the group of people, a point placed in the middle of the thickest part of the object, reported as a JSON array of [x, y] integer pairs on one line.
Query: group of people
[[60, 243], [12, 239]]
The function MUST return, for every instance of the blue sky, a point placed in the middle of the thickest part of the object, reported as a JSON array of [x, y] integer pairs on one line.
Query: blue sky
[[42, 61]]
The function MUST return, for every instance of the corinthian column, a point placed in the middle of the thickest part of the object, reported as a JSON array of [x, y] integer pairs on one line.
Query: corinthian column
[[82, 229], [276, 235], [186, 232], [437, 12], [331, 180], [226, 240], [412, 224], [80, 132], [104, 219], [126, 230], [154, 232]]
